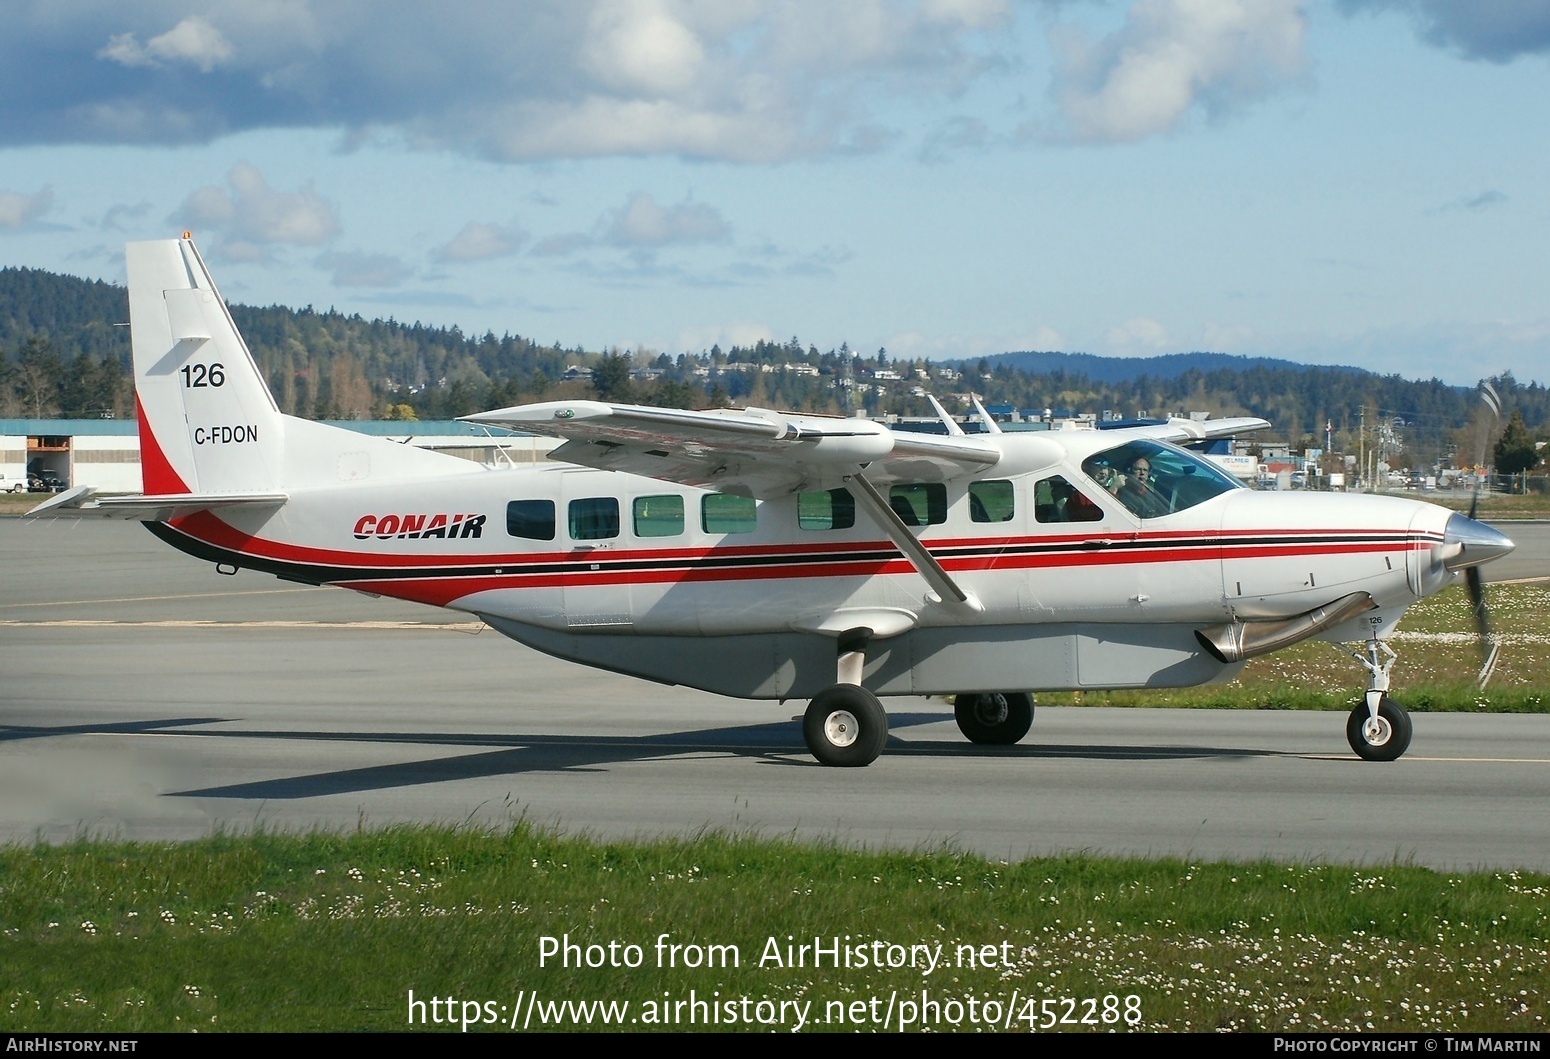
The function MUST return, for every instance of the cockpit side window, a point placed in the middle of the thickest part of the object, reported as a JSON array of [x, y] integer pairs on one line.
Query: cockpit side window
[[1057, 500], [992, 501], [1153, 479]]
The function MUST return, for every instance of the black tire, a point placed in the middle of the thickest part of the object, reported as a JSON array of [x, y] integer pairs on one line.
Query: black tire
[[993, 718], [845, 726], [1388, 740]]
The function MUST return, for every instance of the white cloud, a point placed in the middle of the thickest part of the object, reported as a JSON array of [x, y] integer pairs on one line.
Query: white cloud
[[737, 333], [194, 41], [1227, 338], [643, 225], [18, 209], [1138, 335], [643, 222], [739, 80], [1172, 56], [638, 46], [480, 241], [364, 270], [253, 215]]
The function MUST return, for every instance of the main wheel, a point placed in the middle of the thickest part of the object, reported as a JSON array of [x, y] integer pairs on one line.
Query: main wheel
[[1383, 739], [845, 726], [995, 718]]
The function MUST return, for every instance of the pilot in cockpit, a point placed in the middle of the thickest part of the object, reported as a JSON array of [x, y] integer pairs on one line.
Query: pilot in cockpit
[[1140, 493]]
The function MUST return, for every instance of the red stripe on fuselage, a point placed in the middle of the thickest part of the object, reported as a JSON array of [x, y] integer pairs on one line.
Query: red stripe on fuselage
[[442, 591], [764, 562], [208, 528]]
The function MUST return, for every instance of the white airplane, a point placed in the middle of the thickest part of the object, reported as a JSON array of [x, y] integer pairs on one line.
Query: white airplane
[[772, 555]]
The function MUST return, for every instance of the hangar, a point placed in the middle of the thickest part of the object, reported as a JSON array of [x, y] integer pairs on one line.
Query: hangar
[[105, 453]]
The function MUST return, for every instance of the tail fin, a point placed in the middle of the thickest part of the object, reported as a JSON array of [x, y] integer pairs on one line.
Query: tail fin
[[208, 424]]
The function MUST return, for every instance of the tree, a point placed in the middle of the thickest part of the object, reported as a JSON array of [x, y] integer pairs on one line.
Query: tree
[[36, 375], [1516, 451], [611, 376]]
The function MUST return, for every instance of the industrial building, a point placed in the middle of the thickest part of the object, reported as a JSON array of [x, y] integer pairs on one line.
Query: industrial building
[[105, 453]]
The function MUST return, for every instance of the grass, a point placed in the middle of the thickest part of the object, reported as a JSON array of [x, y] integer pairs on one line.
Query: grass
[[1533, 505], [1438, 663], [331, 932]]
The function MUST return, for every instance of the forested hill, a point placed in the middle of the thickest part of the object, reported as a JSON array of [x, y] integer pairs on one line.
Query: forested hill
[[1122, 369], [63, 353], [318, 364]]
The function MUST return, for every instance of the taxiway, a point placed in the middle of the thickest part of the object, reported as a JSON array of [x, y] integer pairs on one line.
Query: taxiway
[[144, 696]]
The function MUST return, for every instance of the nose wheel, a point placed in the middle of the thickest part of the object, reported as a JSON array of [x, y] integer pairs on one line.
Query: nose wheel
[[1383, 736], [1379, 728]]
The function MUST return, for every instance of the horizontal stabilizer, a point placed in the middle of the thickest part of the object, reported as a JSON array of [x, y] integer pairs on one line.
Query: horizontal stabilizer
[[83, 502]]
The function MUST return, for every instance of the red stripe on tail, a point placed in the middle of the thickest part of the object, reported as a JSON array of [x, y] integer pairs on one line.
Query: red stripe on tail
[[157, 477]]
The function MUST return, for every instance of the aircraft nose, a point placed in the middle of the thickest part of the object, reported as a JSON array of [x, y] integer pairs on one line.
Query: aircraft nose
[[1477, 543]]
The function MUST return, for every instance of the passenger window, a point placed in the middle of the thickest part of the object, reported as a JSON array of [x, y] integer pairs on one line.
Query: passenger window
[[924, 504], [594, 518], [831, 509], [991, 501], [658, 516], [533, 519], [728, 513], [1057, 500]]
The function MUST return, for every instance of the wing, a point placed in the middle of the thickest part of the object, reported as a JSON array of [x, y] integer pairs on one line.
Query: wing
[[753, 450], [1183, 431]]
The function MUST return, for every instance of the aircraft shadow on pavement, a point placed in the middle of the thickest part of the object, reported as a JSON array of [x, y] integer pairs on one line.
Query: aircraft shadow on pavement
[[11, 732], [776, 743]]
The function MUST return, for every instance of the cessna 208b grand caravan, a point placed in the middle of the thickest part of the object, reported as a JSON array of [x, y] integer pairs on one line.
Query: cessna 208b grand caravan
[[774, 555]]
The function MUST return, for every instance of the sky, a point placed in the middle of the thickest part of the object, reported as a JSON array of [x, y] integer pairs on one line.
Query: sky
[[1357, 182]]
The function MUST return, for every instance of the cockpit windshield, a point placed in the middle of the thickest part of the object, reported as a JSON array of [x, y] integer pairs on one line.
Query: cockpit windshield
[[1154, 479]]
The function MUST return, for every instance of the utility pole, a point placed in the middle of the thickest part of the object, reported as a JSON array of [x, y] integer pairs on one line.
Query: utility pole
[[1361, 444]]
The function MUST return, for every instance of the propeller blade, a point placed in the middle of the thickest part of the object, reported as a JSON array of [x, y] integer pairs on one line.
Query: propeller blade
[[1488, 647]]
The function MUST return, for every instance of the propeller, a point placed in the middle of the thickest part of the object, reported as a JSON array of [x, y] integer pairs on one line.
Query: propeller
[[1489, 647]]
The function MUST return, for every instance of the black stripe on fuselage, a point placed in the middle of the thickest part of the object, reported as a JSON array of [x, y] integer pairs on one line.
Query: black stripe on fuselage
[[323, 573]]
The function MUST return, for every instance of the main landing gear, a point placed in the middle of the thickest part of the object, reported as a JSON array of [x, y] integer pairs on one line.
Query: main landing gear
[[845, 725], [993, 718], [1379, 728]]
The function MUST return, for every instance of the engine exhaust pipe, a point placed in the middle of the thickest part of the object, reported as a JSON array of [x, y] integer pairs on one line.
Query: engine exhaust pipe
[[1239, 640]]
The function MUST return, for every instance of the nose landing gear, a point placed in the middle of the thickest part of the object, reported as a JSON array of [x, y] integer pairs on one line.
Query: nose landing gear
[[1378, 729]]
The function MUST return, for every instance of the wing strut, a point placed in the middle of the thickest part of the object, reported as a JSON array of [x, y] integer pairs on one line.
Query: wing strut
[[942, 585]]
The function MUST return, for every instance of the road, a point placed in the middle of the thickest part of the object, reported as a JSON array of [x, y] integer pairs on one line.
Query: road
[[147, 697]]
